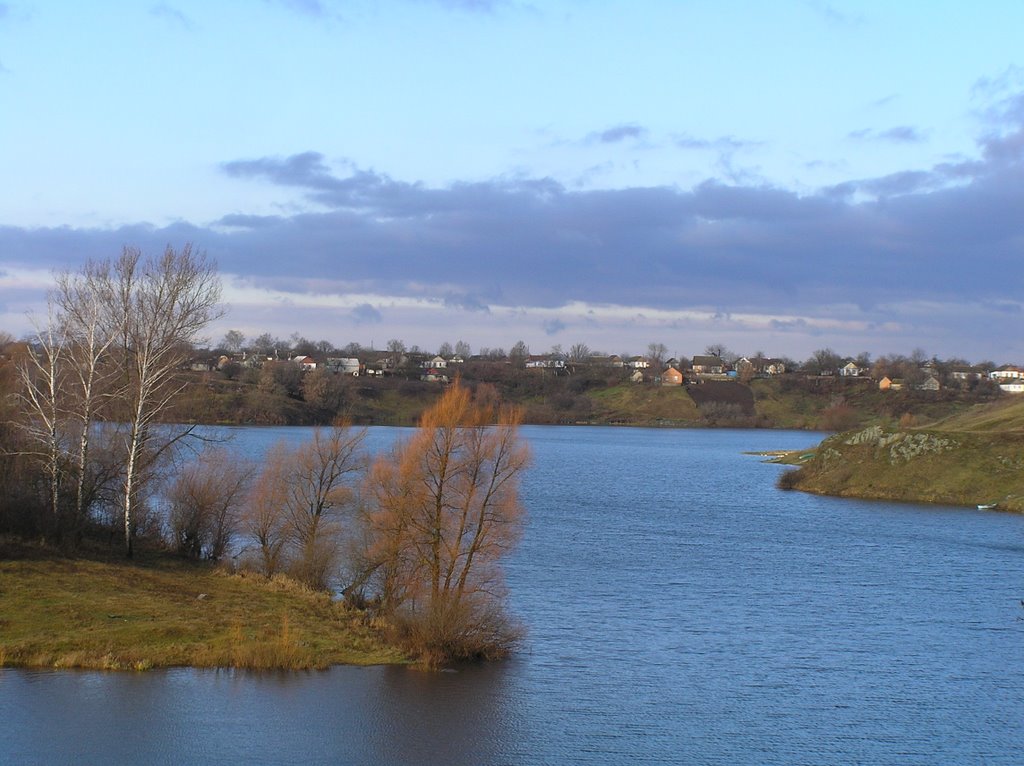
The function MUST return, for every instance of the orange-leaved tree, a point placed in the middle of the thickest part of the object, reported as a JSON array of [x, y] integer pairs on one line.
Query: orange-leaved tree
[[442, 510]]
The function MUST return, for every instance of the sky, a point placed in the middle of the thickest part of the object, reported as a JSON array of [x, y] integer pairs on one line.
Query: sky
[[777, 177]]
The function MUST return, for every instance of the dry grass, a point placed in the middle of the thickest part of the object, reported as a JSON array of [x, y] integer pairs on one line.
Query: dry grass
[[1001, 416], [643, 405], [159, 612]]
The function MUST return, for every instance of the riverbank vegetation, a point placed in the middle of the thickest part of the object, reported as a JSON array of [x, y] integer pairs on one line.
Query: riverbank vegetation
[[975, 457], [412, 540]]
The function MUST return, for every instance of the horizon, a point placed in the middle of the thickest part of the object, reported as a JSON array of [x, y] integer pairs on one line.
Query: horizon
[[785, 177]]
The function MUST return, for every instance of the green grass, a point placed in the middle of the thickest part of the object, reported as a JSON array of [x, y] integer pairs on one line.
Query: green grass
[[643, 405], [161, 611], [971, 468]]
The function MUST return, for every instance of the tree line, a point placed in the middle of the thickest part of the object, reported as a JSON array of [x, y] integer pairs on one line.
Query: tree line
[[417, 534]]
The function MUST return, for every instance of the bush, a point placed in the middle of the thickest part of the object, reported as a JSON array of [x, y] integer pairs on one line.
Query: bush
[[789, 479]]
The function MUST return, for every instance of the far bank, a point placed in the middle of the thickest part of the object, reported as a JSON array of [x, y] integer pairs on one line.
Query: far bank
[[975, 458]]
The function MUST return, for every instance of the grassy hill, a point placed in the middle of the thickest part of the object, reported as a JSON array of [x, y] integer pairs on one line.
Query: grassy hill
[[973, 457]]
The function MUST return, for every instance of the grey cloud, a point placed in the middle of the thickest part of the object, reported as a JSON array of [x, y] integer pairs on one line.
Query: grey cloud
[[313, 8], [884, 100], [366, 314], [1006, 149], [834, 16], [948, 234], [720, 144], [172, 15], [240, 221], [470, 6], [901, 134], [554, 326], [619, 133]]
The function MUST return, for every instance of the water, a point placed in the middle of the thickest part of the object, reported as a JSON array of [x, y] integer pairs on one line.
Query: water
[[680, 609]]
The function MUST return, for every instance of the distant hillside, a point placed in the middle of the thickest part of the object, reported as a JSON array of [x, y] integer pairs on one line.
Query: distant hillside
[[592, 396], [974, 457]]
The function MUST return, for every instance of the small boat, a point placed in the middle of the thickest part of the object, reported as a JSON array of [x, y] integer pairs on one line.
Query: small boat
[[986, 506]]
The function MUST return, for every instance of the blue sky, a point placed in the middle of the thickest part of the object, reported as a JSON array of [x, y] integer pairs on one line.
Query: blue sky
[[773, 176]]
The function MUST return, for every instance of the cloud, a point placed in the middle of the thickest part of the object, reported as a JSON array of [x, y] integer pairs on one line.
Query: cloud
[[469, 6], [618, 133], [466, 303], [901, 134], [834, 16], [172, 15], [554, 326], [312, 8], [364, 313], [848, 260], [720, 144]]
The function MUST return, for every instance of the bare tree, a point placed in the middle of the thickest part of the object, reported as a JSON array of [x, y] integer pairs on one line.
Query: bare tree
[[579, 352], [462, 349], [294, 507], [721, 351], [206, 498], [446, 350], [445, 511], [656, 355], [85, 303], [233, 341], [321, 475], [162, 305], [265, 517], [396, 353], [41, 374], [519, 354]]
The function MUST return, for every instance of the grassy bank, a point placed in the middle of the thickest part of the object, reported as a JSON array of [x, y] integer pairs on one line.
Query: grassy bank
[[160, 611], [975, 457]]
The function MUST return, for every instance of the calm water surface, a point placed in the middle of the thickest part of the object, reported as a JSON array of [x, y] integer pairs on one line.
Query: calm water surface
[[680, 609]]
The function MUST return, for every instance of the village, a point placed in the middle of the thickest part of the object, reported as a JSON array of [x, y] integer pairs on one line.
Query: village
[[888, 373]]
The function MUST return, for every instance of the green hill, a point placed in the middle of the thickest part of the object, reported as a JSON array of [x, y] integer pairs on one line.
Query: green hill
[[970, 458]]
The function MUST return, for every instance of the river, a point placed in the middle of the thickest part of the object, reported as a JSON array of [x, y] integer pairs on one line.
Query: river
[[680, 609]]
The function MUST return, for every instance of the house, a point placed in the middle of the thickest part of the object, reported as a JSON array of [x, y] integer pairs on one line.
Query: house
[[766, 365], [307, 363], [601, 360], [343, 365], [639, 363], [1007, 373], [1012, 388], [637, 376], [963, 372], [437, 363], [544, 362], [885, 384], [851, 370], [931, 383], [708, 365], [671, 377]]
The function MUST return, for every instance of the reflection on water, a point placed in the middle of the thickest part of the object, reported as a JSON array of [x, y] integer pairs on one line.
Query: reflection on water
[[680, 610]]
